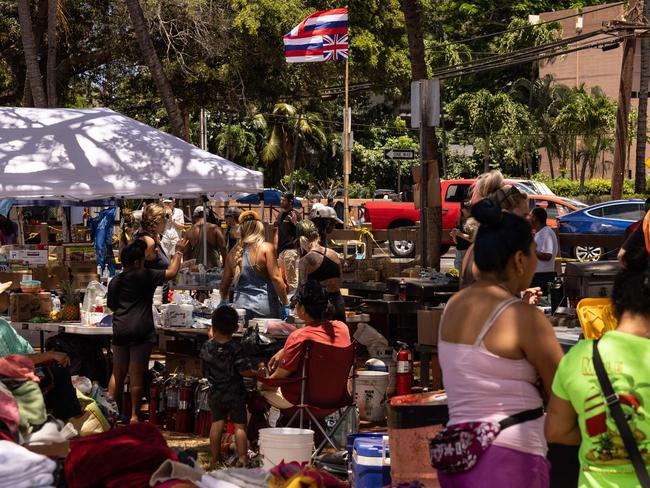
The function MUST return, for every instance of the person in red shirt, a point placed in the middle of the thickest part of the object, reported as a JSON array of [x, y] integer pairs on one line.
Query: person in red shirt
[[314, 308]]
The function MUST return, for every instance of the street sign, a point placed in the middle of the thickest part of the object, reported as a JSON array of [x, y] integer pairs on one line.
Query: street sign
[[399, 154]]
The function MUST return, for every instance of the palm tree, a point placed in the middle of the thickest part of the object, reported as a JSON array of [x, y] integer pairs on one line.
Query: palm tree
[[176, 120], [545, 99], [519, 36], [291, 131], [488, 116], [31, 54], [591, 116], [237, 143]]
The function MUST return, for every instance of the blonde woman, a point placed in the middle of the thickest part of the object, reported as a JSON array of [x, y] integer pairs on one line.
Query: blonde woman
[[152, 225], [253, 268], [321, 264]]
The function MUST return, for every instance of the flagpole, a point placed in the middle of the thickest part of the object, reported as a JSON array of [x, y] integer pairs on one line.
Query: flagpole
[[347, 149]]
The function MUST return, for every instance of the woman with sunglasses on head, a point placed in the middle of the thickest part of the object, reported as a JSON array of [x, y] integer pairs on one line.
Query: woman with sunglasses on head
[[152, 225], [252, 269], [509, 198]]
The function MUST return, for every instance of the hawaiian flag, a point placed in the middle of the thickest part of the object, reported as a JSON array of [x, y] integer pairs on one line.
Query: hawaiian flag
[[320, 37]]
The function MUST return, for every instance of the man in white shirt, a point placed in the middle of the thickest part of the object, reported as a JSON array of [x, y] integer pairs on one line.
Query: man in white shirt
[[174, 223], [546, 240]]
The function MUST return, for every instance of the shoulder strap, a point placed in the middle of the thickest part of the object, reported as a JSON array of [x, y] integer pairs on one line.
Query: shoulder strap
[[612, 400], [521, 417], [490, 321]]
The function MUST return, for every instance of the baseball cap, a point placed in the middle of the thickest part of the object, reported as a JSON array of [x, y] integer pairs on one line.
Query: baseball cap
[[168, 200], [198, 210], [233, 212], [320, 211]]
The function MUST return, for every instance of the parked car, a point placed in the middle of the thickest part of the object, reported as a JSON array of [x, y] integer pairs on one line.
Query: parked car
[[608, 218], [389, 215], [555, 206]]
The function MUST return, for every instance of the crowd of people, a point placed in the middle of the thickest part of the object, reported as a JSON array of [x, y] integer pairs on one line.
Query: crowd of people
[[258, 276], [512, 392]]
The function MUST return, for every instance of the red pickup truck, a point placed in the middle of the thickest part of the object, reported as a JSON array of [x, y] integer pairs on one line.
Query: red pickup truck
[[383, 214]]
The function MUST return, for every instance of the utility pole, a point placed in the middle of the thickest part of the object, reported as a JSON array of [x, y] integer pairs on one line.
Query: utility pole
[[623, 112], [642, 120]]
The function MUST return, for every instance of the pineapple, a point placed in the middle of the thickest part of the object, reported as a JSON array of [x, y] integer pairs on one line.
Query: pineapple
[[70, 299]]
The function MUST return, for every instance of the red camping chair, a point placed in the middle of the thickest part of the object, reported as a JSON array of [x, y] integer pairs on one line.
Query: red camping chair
[[323, 387]]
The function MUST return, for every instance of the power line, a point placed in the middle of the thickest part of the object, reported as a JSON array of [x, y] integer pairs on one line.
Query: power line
[[531, 26]]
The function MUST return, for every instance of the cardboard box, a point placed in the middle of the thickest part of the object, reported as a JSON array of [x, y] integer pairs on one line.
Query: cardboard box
[[180, 363], [26, 306], [428, 322], [82, 280], [52, 277], [37, 257]]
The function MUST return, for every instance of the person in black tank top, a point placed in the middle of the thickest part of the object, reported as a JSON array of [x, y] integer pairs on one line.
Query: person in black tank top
[[231, 216], [320, 264]]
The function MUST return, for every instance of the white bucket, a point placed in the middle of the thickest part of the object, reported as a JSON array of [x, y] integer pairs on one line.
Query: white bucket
[[285, 444], [391, 364], [370, 394], [241, 323]]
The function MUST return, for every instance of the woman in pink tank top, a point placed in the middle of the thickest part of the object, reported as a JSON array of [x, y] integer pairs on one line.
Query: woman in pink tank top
[[498, 355]]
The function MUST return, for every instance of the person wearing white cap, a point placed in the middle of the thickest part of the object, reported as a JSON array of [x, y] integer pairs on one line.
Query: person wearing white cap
[[174, 224], [324, 218]]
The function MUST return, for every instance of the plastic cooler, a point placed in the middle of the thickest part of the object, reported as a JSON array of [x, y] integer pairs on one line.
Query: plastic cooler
[[370, 462], [412, 420]]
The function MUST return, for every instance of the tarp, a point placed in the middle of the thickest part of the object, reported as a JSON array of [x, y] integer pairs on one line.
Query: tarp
[[84, 154], [271, 197]]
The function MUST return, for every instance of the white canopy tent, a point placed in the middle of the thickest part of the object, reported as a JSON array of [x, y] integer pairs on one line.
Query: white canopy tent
[[84, 154]]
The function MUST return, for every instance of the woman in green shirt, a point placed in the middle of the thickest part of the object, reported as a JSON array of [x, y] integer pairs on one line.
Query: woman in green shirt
[[577, 412]]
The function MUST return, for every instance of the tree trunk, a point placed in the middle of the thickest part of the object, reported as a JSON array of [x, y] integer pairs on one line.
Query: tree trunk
[[27, 93], [155, 67], [583, 173], [430, 218], [642, 119], [549, 153], [622, 116], [52, 7], [31, 54]]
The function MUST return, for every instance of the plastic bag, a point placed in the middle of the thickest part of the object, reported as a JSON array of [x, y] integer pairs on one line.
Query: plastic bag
[[83, 384], [94, 291]]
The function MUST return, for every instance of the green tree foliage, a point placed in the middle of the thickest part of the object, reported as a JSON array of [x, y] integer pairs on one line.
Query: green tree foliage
[[591, 117], [494, 122], [227, 56]]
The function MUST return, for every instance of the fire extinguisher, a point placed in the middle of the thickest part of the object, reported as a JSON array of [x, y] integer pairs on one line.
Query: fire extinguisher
[[156, 401], [171, 403], [202, 401], [185, 412], [404, 375]]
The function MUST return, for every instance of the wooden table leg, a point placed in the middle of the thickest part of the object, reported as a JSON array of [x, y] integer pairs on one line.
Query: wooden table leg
[[425, 360]]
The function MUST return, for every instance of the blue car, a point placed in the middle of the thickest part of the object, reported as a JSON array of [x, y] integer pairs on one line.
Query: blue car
[[608, 218]]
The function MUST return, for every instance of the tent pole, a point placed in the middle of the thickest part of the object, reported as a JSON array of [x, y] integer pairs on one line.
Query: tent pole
[[347, 150]]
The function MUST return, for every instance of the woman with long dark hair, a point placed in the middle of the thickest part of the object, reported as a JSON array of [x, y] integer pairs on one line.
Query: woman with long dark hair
[[494, 350], [314, 307]]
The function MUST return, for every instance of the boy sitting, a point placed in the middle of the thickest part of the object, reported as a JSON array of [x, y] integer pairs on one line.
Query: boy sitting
[[226, 367]]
